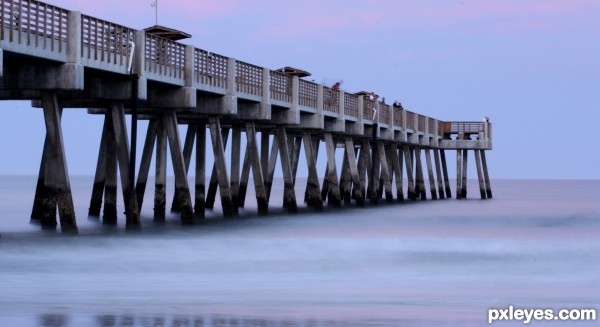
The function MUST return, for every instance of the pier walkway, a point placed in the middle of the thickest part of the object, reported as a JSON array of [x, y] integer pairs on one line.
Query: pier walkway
[[65, 59]]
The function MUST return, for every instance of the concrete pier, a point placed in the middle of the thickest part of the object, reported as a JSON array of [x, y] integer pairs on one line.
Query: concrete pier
[[134, 73]]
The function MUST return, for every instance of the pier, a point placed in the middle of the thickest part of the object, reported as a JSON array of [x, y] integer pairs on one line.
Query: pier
[[65, 59]]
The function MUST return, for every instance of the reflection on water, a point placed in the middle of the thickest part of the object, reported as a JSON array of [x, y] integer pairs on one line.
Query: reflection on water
[[61, 320]]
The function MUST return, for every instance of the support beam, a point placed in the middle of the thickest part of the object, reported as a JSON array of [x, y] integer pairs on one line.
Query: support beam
[[346, 179], [236, 139], [160, 181], [385, 172], [480, 174], [486, 176], [181, 183], [140, 187], [313, 195], [257, 171], [122, 147], [271, 167], [422, 192], [353, 169], [214, 180], [99, 178], [464, 174], [56, 167], [188, 147], [445, 171], [438, 170], [412, 195], [289, 195], [432, 187], [459, 171], [333, 196], [246, 171], [229, 210], [199, 191], [397, 167]]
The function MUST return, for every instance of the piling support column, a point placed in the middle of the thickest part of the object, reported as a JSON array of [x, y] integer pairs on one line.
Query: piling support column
[[122, 148], [438, 170], [57, 166], [432, 187], [289, 195], [397, 167], [181, 183], [199, 191], [385, 172], [412, 195], [464, 174], [480, 175], [99, 178], [140, 186], [257, 171], [333, 196], [221, 167], [352, 167], [486, 176], [160, 181], [313, 193], [447, 186], [236, 139], [420, 178], [459, 170], [213, 184]]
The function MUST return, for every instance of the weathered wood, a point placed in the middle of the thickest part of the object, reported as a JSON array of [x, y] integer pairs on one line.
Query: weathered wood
[[214, 179], [480, 174], [486, 176], [257, 171], [122, 147], [289, 195], [432, 187], [181, 182], [438, 169], [160, 182], [199, 191], [58, 166], [412, 194], [221, 167], [446, 177], [312, 195], [333, 197]]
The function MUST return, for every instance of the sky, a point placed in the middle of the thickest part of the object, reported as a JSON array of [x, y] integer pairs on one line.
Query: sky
[[532, 66]]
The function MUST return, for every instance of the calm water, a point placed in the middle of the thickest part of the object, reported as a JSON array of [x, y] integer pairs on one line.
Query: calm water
[[433, 263]]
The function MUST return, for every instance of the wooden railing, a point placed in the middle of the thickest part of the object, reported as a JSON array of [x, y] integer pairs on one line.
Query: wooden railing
[[351, 104], [33, 23], [210, 69], [249, 78], [308, 94], [281, 87], [421, 124], [331, 99], [105, 41], [164, 57]]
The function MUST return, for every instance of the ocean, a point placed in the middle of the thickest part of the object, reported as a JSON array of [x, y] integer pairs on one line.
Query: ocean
[[535, 245]]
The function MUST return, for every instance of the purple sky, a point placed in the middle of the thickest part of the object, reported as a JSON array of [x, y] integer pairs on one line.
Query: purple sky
[[532, 66]]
